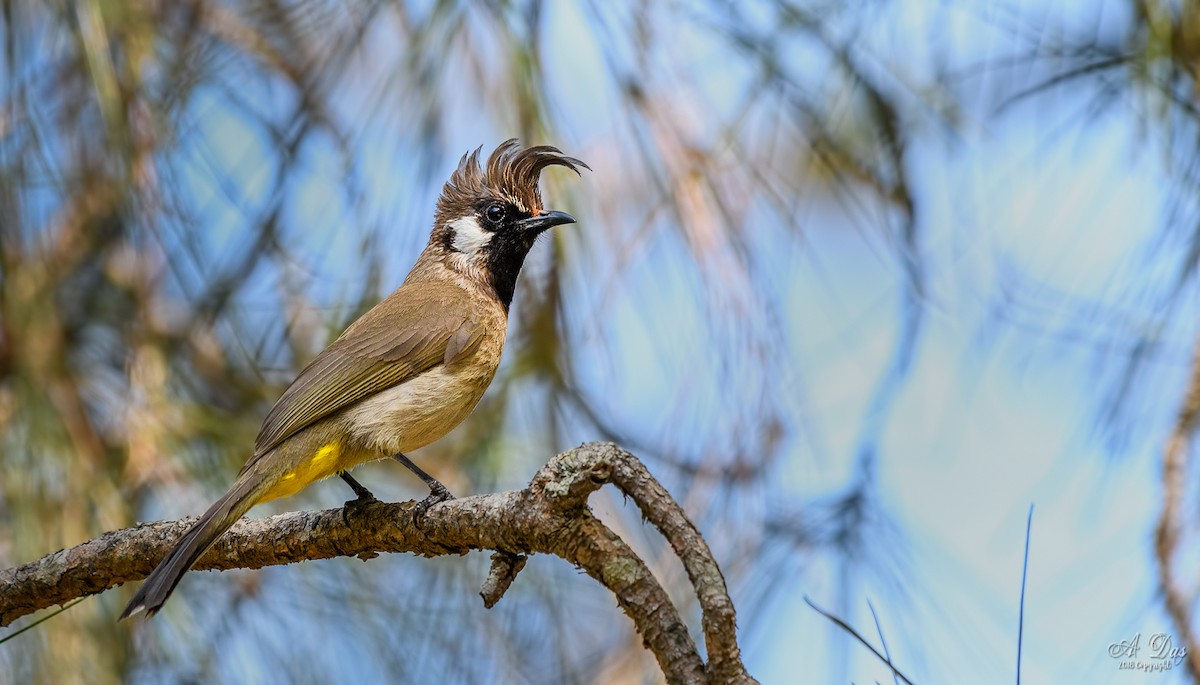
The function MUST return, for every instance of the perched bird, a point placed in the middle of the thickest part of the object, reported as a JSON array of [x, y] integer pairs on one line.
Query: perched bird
[[410, 369]]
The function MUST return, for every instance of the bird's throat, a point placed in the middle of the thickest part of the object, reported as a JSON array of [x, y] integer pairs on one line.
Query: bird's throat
[[503, 267]]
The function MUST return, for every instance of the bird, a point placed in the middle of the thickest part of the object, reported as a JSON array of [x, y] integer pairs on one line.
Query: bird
[[406, 372]]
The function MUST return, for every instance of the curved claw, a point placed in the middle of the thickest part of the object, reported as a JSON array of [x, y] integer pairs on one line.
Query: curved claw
[[353, 507], [437, 494]]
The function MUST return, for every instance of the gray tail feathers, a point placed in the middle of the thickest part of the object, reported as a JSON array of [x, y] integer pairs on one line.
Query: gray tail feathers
[[218, 519]]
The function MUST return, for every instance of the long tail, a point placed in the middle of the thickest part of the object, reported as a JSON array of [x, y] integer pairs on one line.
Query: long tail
[[218, 519]]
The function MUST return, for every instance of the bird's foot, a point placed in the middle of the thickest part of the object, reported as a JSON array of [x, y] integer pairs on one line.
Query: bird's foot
[[354, 508], [437, 494], [362, 497]]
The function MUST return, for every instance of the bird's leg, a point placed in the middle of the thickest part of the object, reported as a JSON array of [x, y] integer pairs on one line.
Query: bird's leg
[[360, 491], [362, 496], [437, 491]]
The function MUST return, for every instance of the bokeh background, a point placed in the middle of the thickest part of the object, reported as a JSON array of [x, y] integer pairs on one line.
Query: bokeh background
[[860, 281]]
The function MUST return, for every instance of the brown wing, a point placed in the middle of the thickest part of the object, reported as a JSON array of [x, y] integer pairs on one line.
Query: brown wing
[[415, 329]]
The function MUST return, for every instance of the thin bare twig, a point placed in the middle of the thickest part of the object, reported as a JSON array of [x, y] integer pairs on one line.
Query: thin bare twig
[[1166, 538], [854, 633], [1024, 577]]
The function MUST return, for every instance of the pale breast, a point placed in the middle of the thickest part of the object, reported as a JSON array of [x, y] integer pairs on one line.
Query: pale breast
[[428, 406]]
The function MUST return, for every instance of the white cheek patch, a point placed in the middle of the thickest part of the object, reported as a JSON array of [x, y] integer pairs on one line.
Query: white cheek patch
[[469, 236]]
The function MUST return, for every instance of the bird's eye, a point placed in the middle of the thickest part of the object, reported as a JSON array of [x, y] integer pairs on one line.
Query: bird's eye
[[495, 213]]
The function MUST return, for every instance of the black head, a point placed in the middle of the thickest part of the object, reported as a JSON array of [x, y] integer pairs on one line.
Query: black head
[[488, 218]]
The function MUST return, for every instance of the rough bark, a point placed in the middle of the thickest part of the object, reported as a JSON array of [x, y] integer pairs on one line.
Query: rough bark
[[551, 516]]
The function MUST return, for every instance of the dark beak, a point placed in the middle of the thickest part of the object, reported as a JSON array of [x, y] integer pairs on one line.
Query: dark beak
[[545, 220]]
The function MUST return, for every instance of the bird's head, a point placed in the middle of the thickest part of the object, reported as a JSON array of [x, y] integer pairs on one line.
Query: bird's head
[[488, 218]]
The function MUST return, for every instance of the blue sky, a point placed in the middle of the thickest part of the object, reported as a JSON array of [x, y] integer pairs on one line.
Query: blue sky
[[995, 417], [996, 414]]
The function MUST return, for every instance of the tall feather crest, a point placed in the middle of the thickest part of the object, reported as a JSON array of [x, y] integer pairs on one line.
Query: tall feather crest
[[511, 173]]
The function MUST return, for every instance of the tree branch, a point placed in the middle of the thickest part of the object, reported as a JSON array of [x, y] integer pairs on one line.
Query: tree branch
[[1166, 536], [549, 517]]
